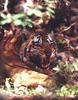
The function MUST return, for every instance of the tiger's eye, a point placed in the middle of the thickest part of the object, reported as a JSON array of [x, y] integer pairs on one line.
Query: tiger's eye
[[37, 41]]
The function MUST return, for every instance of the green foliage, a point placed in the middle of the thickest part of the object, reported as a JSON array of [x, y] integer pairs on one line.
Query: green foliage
[[32, 11], [37, 91], [39, 9], [22, 90], [15, 19], [66, 66], [67, 90]]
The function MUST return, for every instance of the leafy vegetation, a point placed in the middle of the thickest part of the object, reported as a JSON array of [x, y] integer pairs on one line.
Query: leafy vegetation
[[32, 13], [19, 89], [16, 19], [66, 66], [67, 90]]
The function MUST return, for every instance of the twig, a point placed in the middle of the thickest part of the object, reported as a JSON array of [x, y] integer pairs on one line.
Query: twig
[[5, 6], [66, 29]]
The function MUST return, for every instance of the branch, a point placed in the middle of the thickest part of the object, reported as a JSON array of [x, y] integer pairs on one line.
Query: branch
[[5, 5]]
